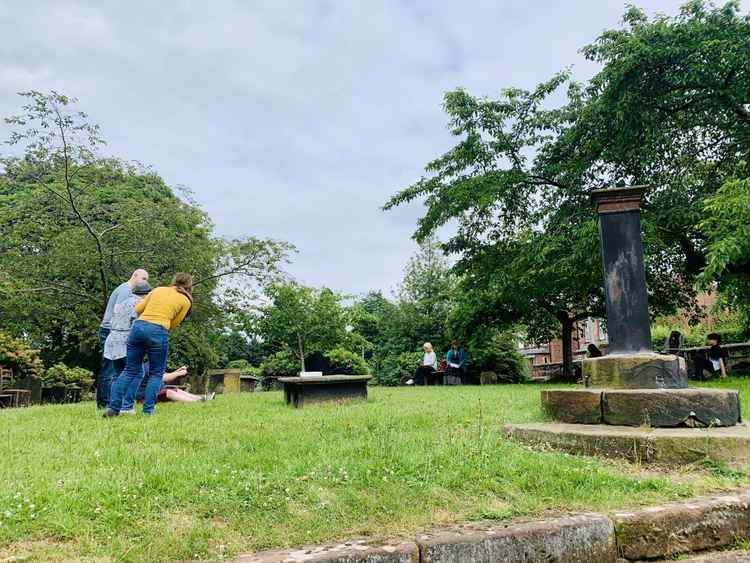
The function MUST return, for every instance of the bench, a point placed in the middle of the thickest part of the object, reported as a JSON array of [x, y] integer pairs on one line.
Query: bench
[[300, 391]]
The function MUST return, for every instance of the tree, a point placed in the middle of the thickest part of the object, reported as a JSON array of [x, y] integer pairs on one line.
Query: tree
[[302, 320], [667, 109], [73, 225]]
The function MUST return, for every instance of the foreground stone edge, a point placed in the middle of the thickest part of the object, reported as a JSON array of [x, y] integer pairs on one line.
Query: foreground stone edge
[[703, 523]]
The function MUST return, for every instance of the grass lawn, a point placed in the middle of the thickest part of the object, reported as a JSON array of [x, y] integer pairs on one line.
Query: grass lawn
[[244, 472]]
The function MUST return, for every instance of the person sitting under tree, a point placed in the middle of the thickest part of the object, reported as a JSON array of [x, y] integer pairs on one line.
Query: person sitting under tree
[[715, 360], [426, 368], [456, 365]]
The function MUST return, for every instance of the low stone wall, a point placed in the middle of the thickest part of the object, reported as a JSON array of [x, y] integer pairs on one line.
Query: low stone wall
[[648, 533]]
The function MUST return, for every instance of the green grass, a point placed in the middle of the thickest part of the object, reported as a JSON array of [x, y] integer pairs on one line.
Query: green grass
[[245, 472]]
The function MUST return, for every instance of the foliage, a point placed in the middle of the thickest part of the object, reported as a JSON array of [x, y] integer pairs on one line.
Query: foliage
[[74, 225], [15, 354], [668, 109], [245, 368], [243, 474], [60, 373], [302, 320], [280, 364], [394, 367], [490, 350], [344, 362]]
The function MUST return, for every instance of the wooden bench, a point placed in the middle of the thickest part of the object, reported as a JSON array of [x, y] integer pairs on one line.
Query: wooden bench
[[300, 391]]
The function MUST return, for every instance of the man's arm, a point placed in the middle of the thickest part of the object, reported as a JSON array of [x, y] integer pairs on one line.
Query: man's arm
[[172, 375]]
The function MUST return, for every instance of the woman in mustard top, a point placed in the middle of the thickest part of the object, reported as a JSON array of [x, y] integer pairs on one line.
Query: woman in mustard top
[[162, 310]]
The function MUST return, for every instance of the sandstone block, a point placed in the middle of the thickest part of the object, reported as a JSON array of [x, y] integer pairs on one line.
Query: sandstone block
[[671, 407], [582, 406], [576, 538], [635, 371], [704, 523], [349, 552]]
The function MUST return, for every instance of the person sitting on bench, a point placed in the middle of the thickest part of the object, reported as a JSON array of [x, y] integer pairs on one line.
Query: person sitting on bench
[[456, 365], [426, 368], [715, 361]]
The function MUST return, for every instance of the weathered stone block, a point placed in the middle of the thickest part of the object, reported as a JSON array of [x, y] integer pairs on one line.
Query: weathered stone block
[[582, 406], [635, 371], [576, 538], [700, 524], [667, 446], [350, 552], [671, 407]]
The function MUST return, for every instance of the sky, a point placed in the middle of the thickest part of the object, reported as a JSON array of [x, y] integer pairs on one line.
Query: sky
[[293, 120]]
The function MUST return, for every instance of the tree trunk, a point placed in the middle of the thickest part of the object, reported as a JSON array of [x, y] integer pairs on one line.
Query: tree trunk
[[301, 352], [567, 345]]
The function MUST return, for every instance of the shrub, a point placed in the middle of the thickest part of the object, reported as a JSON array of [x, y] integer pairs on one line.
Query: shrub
[[280, 364], [344, 362], [497, 352], [392, 368], [60, 373], [246, 368], [18, 356]]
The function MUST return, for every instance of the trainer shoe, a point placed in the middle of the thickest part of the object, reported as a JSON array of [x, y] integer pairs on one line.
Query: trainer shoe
[[209, 396], [109, 413]]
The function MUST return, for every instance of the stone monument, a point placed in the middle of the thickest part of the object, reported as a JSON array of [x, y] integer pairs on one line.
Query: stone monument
[[632, 389]]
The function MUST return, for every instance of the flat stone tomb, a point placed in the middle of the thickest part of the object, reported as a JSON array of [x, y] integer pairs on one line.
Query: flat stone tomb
[[300, 391], [656, 408]]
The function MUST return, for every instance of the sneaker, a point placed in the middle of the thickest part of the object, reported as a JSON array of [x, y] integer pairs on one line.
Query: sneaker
[[209, 396], [410, 382], [109, 413], [129, 411]]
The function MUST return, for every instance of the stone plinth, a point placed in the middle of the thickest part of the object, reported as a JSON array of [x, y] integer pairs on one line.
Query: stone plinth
[[635, 371], [668, 446], [658, 408]]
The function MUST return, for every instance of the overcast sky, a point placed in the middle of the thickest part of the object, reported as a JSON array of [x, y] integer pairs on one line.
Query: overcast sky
[[293, 119]]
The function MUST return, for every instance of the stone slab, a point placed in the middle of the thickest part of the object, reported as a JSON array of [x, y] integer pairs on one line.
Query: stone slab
[[581, 406], [733, 556], [575, 538], [670, 407], [667, 446], [324, 379], [358, 551], [301, 391], [635, 371], [669, 529]]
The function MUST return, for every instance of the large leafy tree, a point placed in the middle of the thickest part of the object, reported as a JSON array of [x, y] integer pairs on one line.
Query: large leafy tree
[[302, 320], [73, 225], [668, 109]]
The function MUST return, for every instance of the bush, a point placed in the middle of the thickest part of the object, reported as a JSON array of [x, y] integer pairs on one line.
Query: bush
[[497, 352], [245, 368], [344, 362], [60, 373], [18, 356], [280, 364], [392, 368], [696, 336]]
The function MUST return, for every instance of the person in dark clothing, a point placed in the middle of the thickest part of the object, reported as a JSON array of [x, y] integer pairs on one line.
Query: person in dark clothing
[[714, 362], [594, 351], [455, 365], [674, 342]]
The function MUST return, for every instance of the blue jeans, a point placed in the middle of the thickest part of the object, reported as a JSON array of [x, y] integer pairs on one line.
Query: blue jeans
[[128, 400], [146, 339], [106, 374]]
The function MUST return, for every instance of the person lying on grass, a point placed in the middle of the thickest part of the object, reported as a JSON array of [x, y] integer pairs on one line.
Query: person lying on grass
[[167, 393]]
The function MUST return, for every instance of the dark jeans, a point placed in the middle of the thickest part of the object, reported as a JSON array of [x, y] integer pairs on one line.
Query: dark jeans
[[146, 339], [422, 373], [128, 401], [106, 375], [455, 376], [704, 364]]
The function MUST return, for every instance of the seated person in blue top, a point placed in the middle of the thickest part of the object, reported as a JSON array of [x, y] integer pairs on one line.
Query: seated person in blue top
[[456, 362]]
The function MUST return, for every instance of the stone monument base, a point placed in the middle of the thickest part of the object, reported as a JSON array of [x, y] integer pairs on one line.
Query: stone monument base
[[657, 408], [644, 370], [667, 446]]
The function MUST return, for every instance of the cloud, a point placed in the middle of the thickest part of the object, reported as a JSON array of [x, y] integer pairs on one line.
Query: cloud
[[293, 120]]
